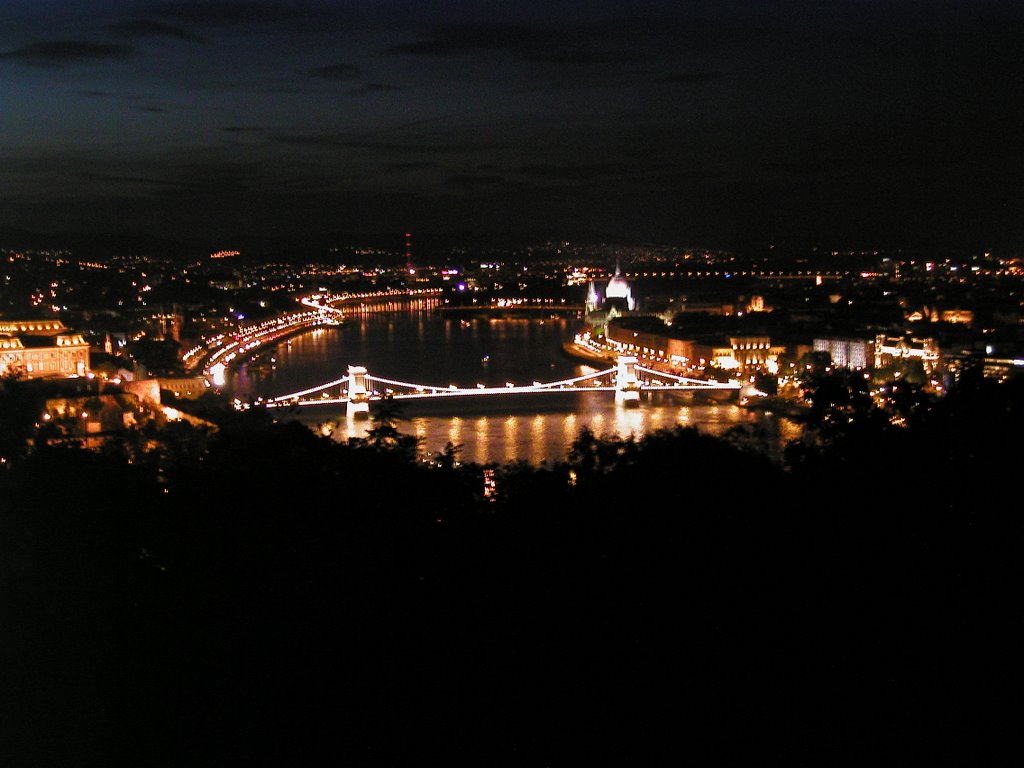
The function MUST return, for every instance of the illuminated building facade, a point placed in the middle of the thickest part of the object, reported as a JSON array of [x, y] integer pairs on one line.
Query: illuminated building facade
[[40, 349], [187, 388], [848, 353], [651, 347], [167, 325], [615, 301], [934, 315], [889, 349], [618, 292], [744, 353], [92, 418]]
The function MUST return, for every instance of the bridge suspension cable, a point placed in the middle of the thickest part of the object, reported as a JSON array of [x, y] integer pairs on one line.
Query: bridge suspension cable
[[408, 385], [684, 380], [432, 390], [584, 377], [310, 391]]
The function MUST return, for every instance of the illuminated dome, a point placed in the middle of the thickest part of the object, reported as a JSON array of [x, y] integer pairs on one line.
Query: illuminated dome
[[618, 288]]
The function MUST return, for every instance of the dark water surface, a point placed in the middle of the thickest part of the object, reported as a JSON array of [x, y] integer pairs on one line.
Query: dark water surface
[[416, 345]]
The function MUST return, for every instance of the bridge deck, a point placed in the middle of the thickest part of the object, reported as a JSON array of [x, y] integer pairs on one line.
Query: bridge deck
[[492, 391]]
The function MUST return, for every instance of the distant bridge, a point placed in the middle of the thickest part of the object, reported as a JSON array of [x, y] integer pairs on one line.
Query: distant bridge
[[627, 379], [512, 310]]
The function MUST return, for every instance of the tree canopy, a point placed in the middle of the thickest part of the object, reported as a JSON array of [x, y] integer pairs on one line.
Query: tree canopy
[[263, 594]]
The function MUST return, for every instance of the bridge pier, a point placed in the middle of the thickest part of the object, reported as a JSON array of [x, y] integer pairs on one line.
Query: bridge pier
[[627, 386], [358, 406]]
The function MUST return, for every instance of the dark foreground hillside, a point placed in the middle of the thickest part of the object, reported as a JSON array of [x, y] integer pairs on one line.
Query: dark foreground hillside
[[263, 596]]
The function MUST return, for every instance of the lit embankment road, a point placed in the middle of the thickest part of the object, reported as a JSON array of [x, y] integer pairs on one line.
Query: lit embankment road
[[355, 302], [224, 349], [213, 356]]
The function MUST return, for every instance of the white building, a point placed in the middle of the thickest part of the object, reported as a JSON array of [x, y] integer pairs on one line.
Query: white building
[[847, 353]]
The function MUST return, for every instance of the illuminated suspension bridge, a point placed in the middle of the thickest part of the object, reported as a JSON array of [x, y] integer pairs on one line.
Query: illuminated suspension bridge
[[627, 379]]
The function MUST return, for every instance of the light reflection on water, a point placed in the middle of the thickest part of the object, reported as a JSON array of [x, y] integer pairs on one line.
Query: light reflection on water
[[547, 436], [414, 346]]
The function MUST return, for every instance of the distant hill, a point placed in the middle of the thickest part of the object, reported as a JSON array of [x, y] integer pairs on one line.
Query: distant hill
[[288, 247], [389, 247], [98, 244]]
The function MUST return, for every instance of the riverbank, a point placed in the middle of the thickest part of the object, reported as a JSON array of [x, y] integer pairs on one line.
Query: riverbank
[[575, 351], [420, 347], [778, 406]]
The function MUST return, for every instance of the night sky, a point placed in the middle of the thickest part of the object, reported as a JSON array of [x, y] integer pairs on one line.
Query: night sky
[[724, 124]]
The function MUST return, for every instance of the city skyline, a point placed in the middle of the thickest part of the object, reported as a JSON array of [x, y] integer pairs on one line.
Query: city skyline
[[726, 125], [519, 385]]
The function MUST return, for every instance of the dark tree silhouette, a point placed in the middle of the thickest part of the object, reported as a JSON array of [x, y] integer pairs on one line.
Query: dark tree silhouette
[[20, 407], [264, 595], [384, 434]]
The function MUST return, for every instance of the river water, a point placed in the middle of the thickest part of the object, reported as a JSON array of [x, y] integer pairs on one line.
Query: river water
[[417, 345]]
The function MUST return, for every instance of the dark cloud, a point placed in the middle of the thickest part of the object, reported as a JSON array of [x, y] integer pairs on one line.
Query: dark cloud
[[319, 140], [336, 72], [213, 171], [58, 52], [545, 171], [371, 88], [794, 168], [412, 165], [209, 178], [434, 141], [220, 13], [689, 78], [139, 28], [407, 146], [474, 181], [700, 117], [445, 41], [570, 46], [585, 57], [129, 179], [412, 124], [683, 178]]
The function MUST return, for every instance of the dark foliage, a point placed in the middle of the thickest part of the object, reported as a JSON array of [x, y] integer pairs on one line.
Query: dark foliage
[[18, 409], [162, 358], [261, 595]]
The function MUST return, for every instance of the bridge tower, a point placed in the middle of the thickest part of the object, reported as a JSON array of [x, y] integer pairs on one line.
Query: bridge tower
[[358, 397], [627, 386]]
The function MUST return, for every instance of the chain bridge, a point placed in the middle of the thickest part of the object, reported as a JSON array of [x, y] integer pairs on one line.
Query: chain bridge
[[358, 388]]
